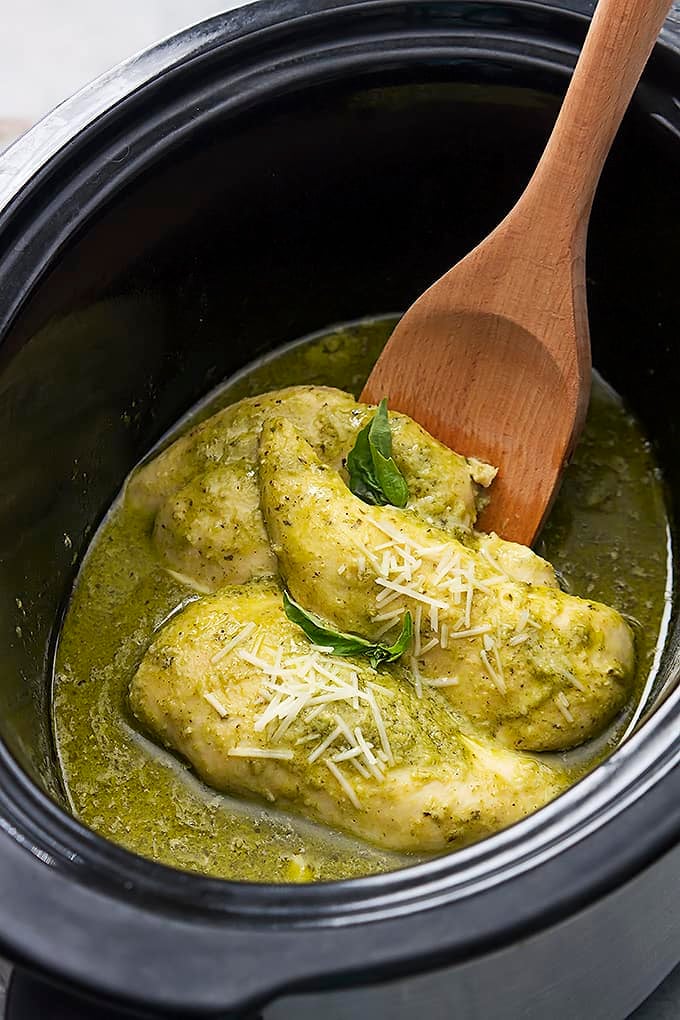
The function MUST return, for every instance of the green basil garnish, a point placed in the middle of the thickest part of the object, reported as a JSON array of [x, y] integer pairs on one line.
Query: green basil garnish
[[373, 475], [347, 644], [363, 481]]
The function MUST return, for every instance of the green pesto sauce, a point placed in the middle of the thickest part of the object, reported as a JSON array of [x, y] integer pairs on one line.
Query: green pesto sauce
[[607, 536]]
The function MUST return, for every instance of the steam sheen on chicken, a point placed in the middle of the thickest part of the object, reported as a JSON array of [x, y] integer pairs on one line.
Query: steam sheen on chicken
[[236, 688], [530, 665], [202, 491]]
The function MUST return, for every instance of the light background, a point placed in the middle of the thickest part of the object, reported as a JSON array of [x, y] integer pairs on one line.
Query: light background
[[50, 48]]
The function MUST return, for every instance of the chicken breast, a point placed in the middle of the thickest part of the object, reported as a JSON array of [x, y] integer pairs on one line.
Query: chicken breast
[[202, 496], [211, 530], [236, 688], [532, 666]]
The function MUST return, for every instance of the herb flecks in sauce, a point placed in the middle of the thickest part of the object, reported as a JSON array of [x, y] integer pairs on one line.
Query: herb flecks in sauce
[[128, 790]]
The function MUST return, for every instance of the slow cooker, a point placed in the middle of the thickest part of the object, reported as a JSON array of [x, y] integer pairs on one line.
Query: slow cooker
[[347, 153]]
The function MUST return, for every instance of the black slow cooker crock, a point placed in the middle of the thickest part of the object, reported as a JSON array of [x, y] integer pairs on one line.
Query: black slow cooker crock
[[342, 154]]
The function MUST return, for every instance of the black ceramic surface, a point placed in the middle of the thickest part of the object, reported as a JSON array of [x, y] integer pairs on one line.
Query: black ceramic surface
[[344, 154]]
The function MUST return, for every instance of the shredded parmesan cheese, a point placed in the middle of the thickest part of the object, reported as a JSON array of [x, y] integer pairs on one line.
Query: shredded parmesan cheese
[[308, 738], [320, 748], [471, 632], [380, 725], [522, 620], [417, 679], [213, 700], [562, 702], [242, 635], [189, 582], [572, 679], [419, 596], [432, 643], [518, 639], [283, 753], [382, 690], [494, 676], [349, 752], [344, 783], [418, 622]]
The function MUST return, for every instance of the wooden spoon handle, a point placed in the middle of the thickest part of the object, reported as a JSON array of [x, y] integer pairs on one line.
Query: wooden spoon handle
[[619, 42]]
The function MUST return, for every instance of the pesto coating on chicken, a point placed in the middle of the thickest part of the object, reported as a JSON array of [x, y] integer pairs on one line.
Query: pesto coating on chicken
[[202, 496], [420, 755], [237, 689], [531, 666]]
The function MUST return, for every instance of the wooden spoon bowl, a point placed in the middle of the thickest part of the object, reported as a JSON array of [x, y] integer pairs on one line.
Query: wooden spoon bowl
[[494, 358]]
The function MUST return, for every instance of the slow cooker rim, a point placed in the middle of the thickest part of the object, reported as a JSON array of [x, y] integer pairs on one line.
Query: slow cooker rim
[[10, 767], [37, 146]]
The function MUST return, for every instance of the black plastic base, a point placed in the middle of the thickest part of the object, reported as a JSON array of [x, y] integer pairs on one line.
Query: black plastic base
[[31, 999]]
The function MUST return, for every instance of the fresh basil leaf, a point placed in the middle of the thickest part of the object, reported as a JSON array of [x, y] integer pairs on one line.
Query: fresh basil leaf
[[391, 481], [347, 644], [373, 475], [380, 434], [369, 494], [393, 652], [342, 644], [362, 478]]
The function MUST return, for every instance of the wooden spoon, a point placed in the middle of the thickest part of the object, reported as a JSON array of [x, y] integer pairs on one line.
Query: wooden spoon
[[494, 359]]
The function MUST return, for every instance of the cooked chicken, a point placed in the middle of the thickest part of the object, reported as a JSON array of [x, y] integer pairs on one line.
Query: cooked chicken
[[534, 667], [212, 529], [235, 687], [202, 493]]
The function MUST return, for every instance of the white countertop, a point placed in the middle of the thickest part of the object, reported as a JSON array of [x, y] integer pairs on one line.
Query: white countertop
[[50, 48]]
